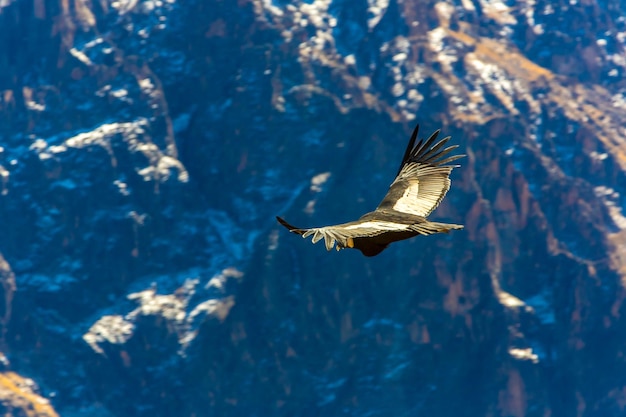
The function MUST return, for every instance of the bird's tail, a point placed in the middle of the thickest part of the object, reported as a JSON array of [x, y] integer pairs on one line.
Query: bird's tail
[[429, 228]]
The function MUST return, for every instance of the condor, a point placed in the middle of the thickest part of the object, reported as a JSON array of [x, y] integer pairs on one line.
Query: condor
[[420, 185]]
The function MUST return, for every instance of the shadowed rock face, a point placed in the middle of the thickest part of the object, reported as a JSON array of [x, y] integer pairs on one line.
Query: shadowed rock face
[[146, 147]]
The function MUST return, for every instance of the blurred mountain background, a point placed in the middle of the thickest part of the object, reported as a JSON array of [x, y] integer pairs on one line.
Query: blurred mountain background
[[146, 146]]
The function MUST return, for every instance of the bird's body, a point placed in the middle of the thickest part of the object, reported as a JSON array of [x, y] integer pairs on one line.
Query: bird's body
[[421, 183]]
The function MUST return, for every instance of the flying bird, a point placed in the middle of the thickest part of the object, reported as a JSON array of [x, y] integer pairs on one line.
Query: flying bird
[[420, 185]]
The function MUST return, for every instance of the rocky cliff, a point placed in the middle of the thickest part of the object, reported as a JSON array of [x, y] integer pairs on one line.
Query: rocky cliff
[[145, 147]]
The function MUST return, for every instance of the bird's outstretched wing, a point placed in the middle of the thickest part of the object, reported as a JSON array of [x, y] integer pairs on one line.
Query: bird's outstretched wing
[[344, 234], [423, 178]]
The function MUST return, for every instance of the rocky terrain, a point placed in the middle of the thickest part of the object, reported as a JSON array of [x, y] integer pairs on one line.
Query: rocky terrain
[[146, 146]]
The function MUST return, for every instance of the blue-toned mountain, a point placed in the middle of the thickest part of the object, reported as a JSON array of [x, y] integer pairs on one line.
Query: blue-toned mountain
[[146, 146]]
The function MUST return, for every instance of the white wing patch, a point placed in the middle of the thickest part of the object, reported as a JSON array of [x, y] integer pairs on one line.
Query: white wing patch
[[378, 225], [410, 202], [421, 197]]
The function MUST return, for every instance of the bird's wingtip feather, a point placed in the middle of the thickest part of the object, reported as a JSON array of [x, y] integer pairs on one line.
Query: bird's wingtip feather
[[291, 227]]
